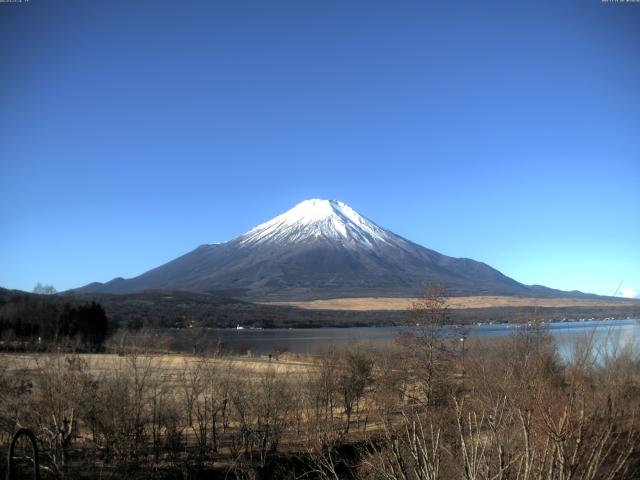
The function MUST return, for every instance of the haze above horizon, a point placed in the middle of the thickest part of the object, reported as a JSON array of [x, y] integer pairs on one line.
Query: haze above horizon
[[505, 132]]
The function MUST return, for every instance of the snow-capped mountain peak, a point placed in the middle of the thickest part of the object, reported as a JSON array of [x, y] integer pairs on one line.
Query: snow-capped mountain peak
[[319, 219], [318, 249]]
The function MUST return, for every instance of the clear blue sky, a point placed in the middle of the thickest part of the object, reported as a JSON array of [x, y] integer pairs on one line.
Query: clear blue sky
[[133, 131]]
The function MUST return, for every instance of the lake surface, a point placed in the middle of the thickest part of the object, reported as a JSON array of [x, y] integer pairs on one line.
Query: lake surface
[[607, 336]]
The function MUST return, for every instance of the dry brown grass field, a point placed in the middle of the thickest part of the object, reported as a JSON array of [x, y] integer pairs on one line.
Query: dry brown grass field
[[395, 304], [168, 365]]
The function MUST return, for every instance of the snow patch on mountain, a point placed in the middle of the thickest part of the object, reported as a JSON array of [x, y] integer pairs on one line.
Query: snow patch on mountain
[[320, 219]]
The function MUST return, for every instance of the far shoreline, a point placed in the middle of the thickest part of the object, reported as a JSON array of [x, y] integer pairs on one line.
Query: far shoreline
[[395, 304]]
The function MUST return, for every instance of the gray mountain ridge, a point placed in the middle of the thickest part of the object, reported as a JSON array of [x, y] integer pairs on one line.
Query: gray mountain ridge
[[321, 249]]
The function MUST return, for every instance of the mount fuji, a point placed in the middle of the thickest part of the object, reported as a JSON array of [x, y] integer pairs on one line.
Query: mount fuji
[[320, 249]]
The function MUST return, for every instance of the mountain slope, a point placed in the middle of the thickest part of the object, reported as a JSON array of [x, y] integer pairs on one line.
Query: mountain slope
[[320, 249]]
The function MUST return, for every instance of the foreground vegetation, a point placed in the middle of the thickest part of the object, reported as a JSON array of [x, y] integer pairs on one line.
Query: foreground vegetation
[[429, 408]]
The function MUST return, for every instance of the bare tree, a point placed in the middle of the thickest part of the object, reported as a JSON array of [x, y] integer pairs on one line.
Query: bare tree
[[44, 289], [425, 345], [354, 376], [63, 382], [408, 450]]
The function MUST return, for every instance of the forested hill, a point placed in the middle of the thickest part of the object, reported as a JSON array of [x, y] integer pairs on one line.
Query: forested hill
[[51, 318]]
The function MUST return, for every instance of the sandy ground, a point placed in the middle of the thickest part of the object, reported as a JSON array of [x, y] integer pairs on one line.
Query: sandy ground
[[395, 304]]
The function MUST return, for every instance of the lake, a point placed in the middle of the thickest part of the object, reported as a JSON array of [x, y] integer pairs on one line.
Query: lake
[[607, 335]]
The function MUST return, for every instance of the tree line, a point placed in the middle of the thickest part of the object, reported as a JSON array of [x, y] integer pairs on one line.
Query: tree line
[[43, 319]]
